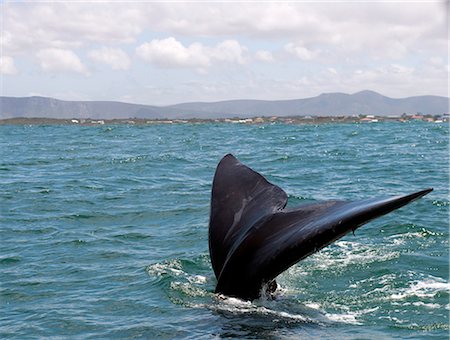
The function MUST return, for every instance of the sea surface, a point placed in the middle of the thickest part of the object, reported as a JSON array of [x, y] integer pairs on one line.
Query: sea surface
[[104, 232]]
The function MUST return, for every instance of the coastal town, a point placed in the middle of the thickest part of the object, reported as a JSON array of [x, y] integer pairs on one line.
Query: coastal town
[[254, 120]]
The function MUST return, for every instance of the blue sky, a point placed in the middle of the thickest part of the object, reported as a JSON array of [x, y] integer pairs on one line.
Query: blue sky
[[170, 52]]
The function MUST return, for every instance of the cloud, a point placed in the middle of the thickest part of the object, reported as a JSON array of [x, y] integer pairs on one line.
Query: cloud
[[391, 29], [300, 51], [7, 66], [229, 51], [332, 71], [68, 25], [60, 60], [114, 57], [170, 53], [384, 29], [264, 56]]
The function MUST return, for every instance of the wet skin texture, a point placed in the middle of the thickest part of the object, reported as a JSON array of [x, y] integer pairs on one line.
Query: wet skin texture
[[253, 238]]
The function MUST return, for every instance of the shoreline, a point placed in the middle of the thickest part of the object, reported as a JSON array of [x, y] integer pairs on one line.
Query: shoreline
[[254, 120]]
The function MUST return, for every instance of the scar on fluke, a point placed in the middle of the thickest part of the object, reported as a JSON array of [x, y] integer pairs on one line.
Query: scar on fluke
[[253, 237]]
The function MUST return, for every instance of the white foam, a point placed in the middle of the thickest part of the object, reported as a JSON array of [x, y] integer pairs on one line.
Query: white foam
[[172, 267], [427, 305], [238, 306], [382, 289], [188, 289], [270, 308], [399, 239], [197, 279], [393, 318], [426, 288], [313, 305], [345, 254], [350, 318]]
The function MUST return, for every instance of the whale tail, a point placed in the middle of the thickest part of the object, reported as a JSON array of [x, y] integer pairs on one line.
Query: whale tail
[[253, 238]]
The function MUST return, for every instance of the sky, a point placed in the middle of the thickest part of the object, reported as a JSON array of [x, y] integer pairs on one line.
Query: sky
[[162, 53]]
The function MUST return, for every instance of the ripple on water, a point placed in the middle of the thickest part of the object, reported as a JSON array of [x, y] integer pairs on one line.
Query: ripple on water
[[9, 260]]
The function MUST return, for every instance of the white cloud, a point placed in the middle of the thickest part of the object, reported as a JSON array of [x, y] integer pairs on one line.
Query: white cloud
[[68, 25], [332, 71], [400, 69], [7, 66], [171, 53], [394, 28], [384, 29], [60, 60], [375, 30], [229, 51], [300, 51], [265, 56], [114, 57]]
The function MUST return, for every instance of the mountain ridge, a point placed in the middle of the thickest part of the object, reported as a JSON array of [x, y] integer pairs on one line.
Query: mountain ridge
[[326, 104]]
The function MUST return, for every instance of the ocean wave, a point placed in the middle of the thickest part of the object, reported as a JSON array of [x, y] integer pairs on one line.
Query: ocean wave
[[187, 288], [133, 236], [425, 288], [9, 260], [346, 254], [172, 267], [235, 306], [130, 159], [440, 203]]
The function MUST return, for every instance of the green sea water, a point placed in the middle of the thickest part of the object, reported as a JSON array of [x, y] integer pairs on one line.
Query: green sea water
[[104, 232]]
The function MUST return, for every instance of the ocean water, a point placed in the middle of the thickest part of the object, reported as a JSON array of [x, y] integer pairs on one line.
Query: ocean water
[[104, 232]]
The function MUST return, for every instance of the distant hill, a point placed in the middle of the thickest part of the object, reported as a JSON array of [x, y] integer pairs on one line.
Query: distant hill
[[42, 107], [328, 104]]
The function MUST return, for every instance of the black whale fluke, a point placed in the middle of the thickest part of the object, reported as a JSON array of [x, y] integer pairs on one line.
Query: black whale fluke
[[253, 238]]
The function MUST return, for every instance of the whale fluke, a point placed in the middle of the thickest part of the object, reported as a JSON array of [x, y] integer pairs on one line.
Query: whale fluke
[[253, 238]]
